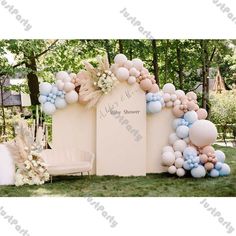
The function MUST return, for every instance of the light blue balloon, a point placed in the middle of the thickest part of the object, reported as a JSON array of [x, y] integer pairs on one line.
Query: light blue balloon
[[182, 131], [218, 165], [42, 99], [154, 98], [214, 173], [176, 123], [54, 96], [198, 172], [50, 95], [149, 97], [225, 170], [189, 152], [186, 166], [191, 117], [154, 107], [220, 156], [60, 103], [54, 90], [48, 99]]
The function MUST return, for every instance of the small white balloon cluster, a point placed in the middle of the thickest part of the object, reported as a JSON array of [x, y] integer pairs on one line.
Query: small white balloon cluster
[[58, 95], [132, 72], [191, 142]]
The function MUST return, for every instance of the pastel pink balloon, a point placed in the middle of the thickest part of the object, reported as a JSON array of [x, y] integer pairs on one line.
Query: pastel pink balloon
[[166, 97], [146, 84], [169, 104], [202, 114]]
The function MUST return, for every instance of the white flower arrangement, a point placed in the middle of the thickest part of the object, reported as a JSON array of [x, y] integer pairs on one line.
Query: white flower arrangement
[[32, 172], [106, 81]]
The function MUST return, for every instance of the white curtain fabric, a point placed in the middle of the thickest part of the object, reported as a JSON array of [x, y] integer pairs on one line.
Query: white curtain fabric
[[7, 167]]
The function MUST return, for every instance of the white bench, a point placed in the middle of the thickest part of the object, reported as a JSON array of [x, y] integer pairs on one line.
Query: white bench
[[70, 162]]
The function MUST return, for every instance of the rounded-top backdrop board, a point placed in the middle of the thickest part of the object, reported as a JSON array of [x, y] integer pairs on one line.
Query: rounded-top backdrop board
[[121, 132]]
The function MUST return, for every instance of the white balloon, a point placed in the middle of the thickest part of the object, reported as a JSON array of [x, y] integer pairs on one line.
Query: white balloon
[[179, 162], [131, 80], [168, 88], [178, 154], [133, 72], [60, 84], [168, 158], [71, 97], [180, 172], [179, 93], [61, 75], [128, 64], [45, 88], [172, 138], [179, 145], [120, 59], [49, 108], [138, 64], [60, 103], [122, 74], [172, 170], [167, 149]]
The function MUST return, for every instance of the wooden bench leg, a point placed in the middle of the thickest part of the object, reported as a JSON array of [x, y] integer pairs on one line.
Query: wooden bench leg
[[51, 178]]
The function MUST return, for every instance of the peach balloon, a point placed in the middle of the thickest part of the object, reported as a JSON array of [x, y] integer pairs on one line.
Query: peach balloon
[[209, 166], [146, 84], [154, 88], [177, 112], [177, 102], [208, 150], [202, 133], [202, 114], [203, 158], [190, 105]]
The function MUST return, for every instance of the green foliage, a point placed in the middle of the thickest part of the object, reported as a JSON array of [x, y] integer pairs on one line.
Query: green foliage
[[223, 112]]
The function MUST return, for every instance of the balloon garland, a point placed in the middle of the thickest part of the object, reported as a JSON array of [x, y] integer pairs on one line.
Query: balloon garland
[[190, 147]]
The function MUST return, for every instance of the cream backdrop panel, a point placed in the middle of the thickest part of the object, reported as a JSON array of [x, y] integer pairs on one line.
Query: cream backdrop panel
[[121, 132], [74, 126], [159, 127]]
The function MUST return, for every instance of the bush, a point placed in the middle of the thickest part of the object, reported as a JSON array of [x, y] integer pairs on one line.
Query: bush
[[223, 111]]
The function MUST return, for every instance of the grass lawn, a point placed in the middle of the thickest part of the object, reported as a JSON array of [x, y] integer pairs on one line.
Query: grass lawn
[[152, 185]]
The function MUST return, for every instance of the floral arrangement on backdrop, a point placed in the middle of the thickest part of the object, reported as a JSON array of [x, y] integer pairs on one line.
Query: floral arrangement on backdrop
[[26, 148], [189, 147]]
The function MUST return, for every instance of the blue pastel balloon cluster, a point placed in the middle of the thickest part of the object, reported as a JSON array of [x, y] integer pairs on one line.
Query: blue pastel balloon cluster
[[51, 97], [191, 158], [154, 102], [220, 168]]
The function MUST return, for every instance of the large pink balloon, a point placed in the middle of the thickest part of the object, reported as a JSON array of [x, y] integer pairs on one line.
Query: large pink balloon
[[202, 133]]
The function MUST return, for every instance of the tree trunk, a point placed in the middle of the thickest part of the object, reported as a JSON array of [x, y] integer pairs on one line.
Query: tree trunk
[[107, 47], [130, 50], [204, 74], [166, 61], [155, 61], [121, 48], [3, 110], [180, 67], [33, 81]]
